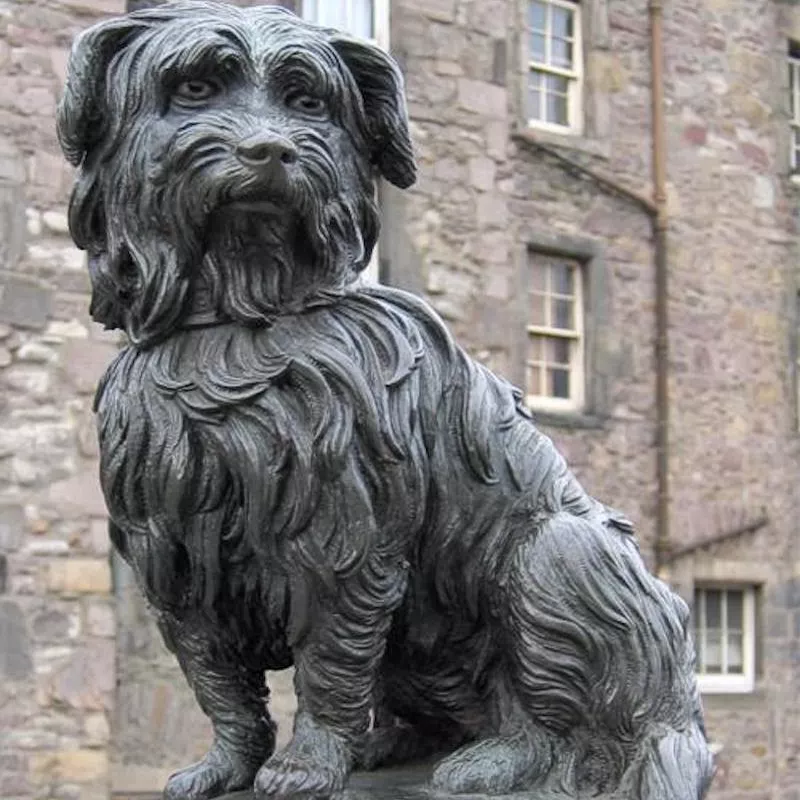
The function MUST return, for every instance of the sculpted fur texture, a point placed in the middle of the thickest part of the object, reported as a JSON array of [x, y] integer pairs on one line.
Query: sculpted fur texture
[[305, 471]]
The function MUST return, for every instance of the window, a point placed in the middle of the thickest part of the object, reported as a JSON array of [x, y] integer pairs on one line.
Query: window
[[724, 626], [554, 362], [794, 103], [366, 19], [555, 65]]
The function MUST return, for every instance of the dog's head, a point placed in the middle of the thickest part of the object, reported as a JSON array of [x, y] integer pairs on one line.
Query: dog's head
[[227, 157]]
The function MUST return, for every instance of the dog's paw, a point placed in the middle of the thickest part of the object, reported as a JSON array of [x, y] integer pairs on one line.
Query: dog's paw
[[492, 766], [289, 775], [315, 764], [214, 776]]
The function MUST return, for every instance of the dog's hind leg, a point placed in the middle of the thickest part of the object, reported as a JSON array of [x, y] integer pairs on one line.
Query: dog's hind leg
[[234, 699], [672, 765], [497, 764]]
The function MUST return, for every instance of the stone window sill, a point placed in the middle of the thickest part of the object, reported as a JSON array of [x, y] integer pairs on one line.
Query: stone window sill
[[565, 141], [571, 420], [736, 700]]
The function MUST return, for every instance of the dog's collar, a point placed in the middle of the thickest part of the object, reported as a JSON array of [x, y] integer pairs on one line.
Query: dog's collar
[[205, 319], [209, 317]]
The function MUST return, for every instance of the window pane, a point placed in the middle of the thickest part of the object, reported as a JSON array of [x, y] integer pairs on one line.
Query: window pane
[[537, 16], [538, 313], [735, 610], [712, 662], [563, 22], [534, 380], [562, 315], [535, 95], [536, 348], [558, 350], [792, 73], [559, 383], [361, 23], [331, 13], [557, 84], [537, 52], [538, 276], [562, 279], [735, 654], [557, 109], [713, 608], [561, 53]]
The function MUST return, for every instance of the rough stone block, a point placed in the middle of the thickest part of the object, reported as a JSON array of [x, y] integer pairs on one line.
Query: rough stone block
[[482, 173], [440, 10], [79, 576], [56, 222], [491, 211], [12, 222], [99, 541], [24, 303], [482, 98], [12, 169], [78, 766], [97, 729], [78, 496], [15, 657], [87, 679], [96, 6], [54, 625], [100, 620], [497, 139], [12, 526], [84, 362]]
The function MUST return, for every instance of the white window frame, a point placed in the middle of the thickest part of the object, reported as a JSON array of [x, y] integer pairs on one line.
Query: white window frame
[[577, 335], [380, 37], [743, 683], [794, 109], [575, 76]]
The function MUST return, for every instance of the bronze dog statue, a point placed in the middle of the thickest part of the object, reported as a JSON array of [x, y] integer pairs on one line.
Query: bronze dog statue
[[305, 471]]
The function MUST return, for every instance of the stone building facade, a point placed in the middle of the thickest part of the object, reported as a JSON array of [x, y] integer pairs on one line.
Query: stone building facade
[[89, 702]]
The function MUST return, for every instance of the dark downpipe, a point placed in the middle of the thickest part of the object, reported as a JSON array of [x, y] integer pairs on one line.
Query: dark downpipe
[[660, 243]]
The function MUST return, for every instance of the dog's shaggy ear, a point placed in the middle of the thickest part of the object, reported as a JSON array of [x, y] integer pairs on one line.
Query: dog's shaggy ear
[[81, 123], [381, 86]]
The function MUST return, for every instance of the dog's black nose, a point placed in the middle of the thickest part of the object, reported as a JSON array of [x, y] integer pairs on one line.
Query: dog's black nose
[[262, 149]]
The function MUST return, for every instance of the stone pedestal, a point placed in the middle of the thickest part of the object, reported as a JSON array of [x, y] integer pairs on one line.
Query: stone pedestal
[[410, 783]]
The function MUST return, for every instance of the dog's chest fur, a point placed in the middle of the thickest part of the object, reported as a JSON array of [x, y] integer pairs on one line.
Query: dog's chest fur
[[223, 443]]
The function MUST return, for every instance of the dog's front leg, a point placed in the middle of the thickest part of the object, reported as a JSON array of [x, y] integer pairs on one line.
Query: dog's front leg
[[233, 697], [336, 666]]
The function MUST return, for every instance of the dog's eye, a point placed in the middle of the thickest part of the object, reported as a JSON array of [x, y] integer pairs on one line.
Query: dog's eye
[[195, 92], [306, 103]]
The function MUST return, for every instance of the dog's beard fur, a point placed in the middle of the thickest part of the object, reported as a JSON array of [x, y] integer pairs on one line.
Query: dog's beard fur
[[186, 239]]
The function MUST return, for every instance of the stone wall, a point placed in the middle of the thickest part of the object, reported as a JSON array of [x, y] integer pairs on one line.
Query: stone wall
[[486, 192]]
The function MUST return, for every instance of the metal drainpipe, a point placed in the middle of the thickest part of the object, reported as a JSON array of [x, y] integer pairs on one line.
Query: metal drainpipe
[[660, 227]]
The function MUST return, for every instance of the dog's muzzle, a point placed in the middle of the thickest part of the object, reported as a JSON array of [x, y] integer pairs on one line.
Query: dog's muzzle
[[266, 152]]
